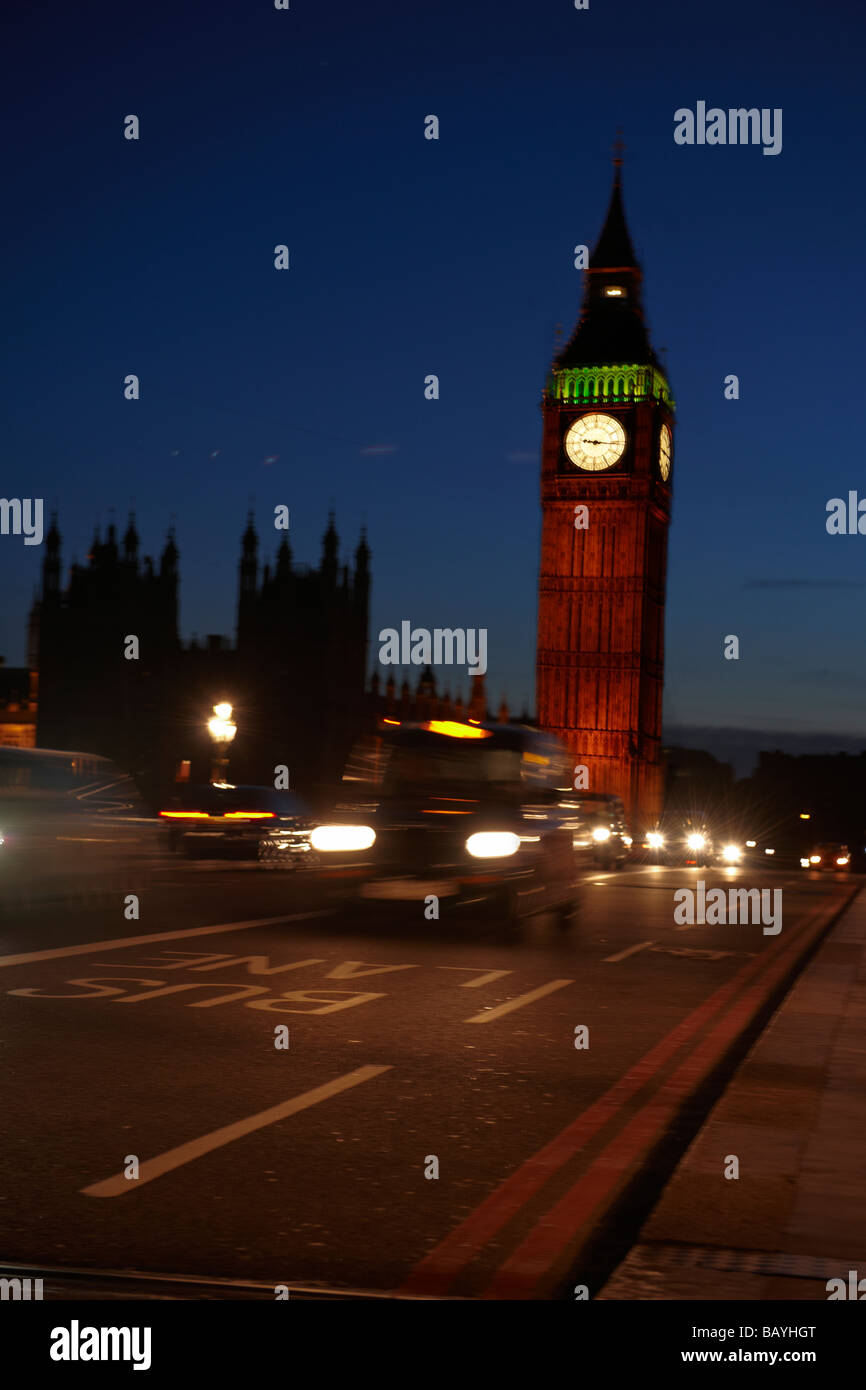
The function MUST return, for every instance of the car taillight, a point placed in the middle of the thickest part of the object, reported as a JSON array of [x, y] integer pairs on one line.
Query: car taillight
[[184, 815], [251, 815]]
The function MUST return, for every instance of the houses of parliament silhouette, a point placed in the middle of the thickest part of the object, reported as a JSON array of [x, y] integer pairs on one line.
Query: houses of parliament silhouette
[[295, 674]]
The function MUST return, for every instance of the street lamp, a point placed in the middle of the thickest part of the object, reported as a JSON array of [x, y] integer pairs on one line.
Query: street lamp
[[222, 730]]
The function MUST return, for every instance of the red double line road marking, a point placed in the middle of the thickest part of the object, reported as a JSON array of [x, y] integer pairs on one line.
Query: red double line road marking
[[435, 1273]]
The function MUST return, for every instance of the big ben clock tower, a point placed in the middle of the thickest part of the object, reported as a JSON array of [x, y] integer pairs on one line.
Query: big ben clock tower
[[606, 474]]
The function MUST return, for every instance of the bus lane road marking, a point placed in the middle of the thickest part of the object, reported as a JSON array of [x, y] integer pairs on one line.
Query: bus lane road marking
[[319, 997], [119, 1184]]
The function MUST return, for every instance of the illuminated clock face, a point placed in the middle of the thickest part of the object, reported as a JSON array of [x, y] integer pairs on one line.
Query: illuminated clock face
[[595, 442], [665, 453]]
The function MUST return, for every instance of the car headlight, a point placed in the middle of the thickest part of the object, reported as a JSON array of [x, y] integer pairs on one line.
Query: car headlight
[[814, 859], [731, 853], [600, 833], [696, 842], [492, 844], [342, 837], [655, 840], [804, 863], [843, 859]]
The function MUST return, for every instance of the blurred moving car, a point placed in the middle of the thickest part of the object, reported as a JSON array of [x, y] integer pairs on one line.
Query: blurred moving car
[[831, 856], [602, 832], [47, 780], [469, 813], [251, 822]]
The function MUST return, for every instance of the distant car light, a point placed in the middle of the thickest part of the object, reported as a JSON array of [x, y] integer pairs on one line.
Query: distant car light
[[731, 853], [804, 863], [843, 859], [750, 844], [696, 842], [342, 837], [655, 840], [492, 844], [601, 833], [814, 859], [769, 851], [627, 841]]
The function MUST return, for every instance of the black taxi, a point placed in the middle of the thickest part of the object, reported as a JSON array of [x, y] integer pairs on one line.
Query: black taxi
[[466, 813]]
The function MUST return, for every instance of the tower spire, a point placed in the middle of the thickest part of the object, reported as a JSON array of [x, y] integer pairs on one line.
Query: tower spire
[[614, 250], [611, 328], [618, 150]]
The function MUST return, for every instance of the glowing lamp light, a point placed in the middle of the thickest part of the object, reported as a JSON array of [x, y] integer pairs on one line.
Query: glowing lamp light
[[221, 730], [220, 726]]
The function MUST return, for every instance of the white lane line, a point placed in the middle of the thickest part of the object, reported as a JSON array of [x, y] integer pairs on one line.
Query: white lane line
[[488, 1015], [632, 950], [118, 943], [206, 1143]]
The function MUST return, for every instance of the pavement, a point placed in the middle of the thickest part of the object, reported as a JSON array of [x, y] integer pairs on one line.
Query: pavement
[[794, 1116]]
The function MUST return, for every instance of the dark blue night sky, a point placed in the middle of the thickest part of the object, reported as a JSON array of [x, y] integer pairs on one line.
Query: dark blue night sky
[[454, 257]]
